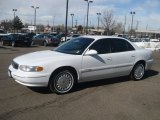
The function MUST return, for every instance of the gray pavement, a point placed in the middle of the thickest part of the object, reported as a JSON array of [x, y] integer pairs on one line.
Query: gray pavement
[[110, 99]]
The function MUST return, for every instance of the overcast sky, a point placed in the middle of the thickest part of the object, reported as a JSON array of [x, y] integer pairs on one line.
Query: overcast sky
[[147, 11]]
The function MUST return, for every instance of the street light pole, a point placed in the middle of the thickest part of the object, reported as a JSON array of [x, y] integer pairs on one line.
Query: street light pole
[[72, 18], [14, 10], [124, 29], [53, 23], [66, 19], [88, 2], [35, 8], [76, 25], [132, 13], [84, 24], [98, 20]]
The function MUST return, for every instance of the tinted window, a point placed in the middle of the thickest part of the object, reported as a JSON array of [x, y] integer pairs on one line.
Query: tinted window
[[129, 46], [120, 45], [75, 46], [101, 46]]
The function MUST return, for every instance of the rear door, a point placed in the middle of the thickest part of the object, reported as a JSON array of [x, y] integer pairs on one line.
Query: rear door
[[123, 56]]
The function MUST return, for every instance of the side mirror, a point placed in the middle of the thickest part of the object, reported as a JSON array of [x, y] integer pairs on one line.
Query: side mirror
[[91, 52]]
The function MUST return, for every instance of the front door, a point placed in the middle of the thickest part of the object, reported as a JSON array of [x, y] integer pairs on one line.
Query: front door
[[99, 66]]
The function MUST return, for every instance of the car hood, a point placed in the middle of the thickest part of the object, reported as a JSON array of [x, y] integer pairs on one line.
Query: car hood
[[40, 57]]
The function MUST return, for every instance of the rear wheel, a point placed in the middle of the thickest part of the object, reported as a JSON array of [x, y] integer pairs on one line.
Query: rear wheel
[[62, 82], [138, 71]]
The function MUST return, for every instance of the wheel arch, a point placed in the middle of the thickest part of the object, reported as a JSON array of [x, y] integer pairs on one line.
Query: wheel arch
[[72, 69], [140, 61]]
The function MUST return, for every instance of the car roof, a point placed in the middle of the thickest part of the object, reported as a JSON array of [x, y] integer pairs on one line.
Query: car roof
[[96, 37]]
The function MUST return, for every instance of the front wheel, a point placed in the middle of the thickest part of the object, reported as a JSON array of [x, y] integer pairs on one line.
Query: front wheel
[[62, 82], [138, 72]]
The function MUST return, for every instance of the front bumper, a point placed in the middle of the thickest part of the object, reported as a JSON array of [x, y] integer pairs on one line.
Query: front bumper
[[29, 78]]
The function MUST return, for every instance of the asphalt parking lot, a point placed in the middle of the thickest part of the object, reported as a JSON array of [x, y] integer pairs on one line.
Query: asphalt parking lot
[[110, 99]]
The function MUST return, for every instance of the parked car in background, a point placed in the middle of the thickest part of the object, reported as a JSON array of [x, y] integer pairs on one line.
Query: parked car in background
[[16, 40], [139, 39], [54, 34], [154, 40], [30, 35], [69, 37], [45, 39], [122, 35], [2, 34], [81, 59], [59, 36], [135, 39]]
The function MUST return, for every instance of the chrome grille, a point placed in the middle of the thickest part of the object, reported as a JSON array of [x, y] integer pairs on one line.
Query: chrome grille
[[15, 65]]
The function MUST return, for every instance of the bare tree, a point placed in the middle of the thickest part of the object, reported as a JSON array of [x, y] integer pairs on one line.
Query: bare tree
[[40, 28], [118, 28], [108, 21], [7, 24]]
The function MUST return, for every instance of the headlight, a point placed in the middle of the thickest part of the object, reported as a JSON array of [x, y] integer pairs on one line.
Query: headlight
[[30, 68]]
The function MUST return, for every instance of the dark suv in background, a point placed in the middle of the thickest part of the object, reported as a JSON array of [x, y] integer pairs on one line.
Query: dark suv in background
[[16, 40]]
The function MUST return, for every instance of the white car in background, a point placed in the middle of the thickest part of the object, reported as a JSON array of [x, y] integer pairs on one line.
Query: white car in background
[[69, 37], [85, 58]]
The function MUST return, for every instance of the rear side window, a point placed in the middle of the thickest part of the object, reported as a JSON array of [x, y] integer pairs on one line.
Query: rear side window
[[102, 46], [120, 45], [129, 46]]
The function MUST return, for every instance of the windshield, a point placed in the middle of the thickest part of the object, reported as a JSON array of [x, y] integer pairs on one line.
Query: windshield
[[75, 46]]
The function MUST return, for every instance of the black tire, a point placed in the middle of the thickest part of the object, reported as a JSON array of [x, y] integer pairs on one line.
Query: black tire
[[28, 45], [62, 82], [138, 72], [13, 44]]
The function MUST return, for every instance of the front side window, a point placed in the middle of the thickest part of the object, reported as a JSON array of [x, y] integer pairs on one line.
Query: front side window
[[75, 46], [101, 46]]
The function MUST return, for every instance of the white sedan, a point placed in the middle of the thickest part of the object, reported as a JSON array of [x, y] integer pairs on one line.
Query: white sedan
[[85, 58]]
